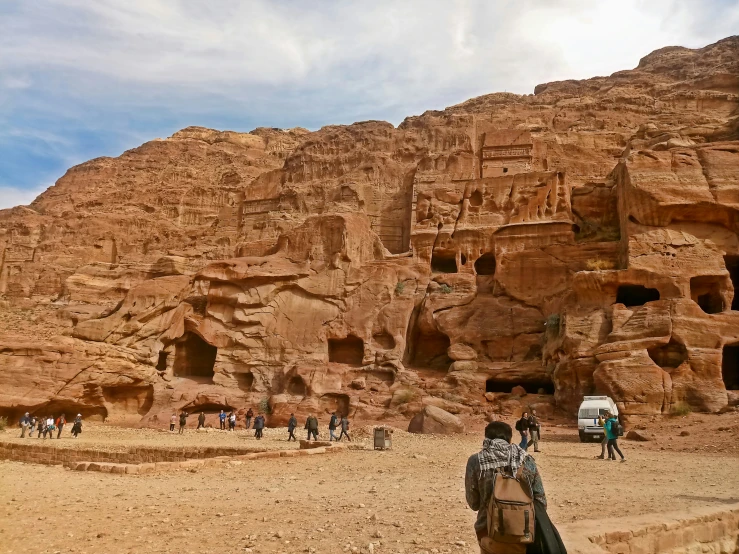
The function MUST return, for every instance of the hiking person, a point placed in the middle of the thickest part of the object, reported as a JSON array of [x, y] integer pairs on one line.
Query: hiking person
[[77, 426], [332, 425], [292, 424], [60, 421], [222, 418], [183, 422], [32, 428], [249, 415], [232, 421], [311, 424], [534, 430], [344, 429], [173, 421], [258, 426], [201, 420], [49, 428], [522, 426], [492, 474], [25, 423], [612, 428], [602, 423], [41, 427]]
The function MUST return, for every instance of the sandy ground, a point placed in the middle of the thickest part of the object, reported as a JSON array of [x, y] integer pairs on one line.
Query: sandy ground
[[409, 499]]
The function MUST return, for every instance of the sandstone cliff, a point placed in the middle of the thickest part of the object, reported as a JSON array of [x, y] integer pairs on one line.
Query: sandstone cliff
[[581, 239]]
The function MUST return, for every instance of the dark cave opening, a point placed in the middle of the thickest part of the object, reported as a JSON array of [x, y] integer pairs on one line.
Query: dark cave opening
[[349, 350], [732, 266], [485, 264], [532, 387], [706, 292], [635, 295], [194, 357], [730, 366], [443, 263]]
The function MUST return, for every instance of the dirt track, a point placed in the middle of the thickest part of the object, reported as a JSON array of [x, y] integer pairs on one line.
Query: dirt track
[[409, 500]]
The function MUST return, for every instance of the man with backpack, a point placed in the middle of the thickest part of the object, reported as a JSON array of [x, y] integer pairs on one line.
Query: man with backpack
[[613, 431], [332, 424], [502, 483], [258, 426], [183, 422], [522, 426], [344, 429], [534, 430], [311, 425]]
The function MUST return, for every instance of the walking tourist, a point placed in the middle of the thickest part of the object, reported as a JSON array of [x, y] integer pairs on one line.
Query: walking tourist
[[232, 421], [25, 423], [60, 421], [344, 429], [500, 459], [258, 426], [201, 420], [41, 427], [292, 424], [522, 426], [332, 425], [534, 430], [183, 422], [222, 418], [604, 442], [249, 415], [49, 428], [311, 424], [612, 428], [32, 428], [173, 421], [77, 426]]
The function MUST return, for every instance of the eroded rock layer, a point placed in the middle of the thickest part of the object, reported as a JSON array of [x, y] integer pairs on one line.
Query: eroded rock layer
[[579, 240]]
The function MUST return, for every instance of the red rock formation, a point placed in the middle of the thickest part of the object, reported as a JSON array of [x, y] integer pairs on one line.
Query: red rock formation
[[582, 239]]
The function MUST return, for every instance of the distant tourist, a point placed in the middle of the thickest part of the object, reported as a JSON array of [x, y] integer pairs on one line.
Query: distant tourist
[[258, 426], [49, 428], [201, 420], [604, 442], [32, 428], [60, 421], [232, 421], [77, 426], [500, 459], [332, 425], [41, 427], [249, 415], [344, 428], [183, 422], [522, 426], [173, 421], [534, 430], [222, 418], [612, 428], [311, 424], [25, 424], [292, 424]]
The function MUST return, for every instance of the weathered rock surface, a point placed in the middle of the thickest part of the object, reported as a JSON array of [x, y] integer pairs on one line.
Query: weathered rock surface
[[435, 421], [579, 240]]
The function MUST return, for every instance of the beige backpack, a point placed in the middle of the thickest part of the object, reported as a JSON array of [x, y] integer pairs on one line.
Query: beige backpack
[[511, 516]]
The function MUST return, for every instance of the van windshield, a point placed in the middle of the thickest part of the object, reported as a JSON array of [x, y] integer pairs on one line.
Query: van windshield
[[592, 413]]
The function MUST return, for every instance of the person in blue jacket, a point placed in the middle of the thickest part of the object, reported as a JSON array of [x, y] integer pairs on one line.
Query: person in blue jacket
[[611, 428], [222, 417]]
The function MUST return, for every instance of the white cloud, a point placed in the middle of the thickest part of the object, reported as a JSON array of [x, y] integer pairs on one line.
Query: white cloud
[[13, 196]]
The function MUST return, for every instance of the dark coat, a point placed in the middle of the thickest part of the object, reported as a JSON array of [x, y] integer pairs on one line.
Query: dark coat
[[333, 423], [259, 422], [311, 423], [292, 424]]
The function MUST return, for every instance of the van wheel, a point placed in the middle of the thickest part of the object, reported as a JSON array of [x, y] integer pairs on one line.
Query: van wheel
[[583, 437]]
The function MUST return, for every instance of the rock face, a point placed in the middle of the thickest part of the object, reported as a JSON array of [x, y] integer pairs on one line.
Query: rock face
[[435, 421], [579, 240]]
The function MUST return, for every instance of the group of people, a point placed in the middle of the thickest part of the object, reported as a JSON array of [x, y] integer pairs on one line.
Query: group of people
[[311, 424], [611, 432], [530, 429], [47, 425]]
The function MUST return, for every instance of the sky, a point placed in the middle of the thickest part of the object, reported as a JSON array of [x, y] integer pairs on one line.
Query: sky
[[81, 79]]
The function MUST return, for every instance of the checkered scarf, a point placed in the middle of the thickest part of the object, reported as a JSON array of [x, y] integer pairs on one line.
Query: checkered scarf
[[499, 454]]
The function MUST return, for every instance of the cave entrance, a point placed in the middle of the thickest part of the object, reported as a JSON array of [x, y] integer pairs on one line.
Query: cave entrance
[[245, 380], [443, 263], [194, 358], [532, 387], [349, 350], [296, 386], [162, 361], [485, 264], [670, 355], [730, 366], [635, 295], [706, 292], [732, 266], [129, 399], [429, 350]]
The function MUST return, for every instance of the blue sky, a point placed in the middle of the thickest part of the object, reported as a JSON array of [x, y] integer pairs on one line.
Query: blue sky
[[81, 79]]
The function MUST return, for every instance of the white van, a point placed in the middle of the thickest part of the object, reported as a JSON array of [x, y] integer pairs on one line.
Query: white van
[[587, 416]]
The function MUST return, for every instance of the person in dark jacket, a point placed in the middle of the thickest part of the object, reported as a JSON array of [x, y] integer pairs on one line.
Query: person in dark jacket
[[258, 426], [611, 429], [183, 422], [311, 424], [201, 420], [534, 430], [25, 423], [249, 415], [41, 427], [77, 426], [344, 429], [332, 425], [292, 424], [522, 426]]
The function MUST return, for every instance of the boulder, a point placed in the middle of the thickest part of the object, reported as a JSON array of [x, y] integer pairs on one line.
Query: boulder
[[435, 421], [639, 435]]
